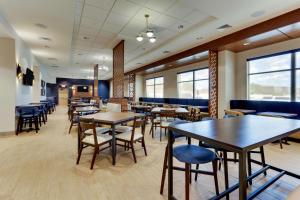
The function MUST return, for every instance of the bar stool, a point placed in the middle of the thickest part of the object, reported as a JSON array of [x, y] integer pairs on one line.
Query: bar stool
[[190, 154]]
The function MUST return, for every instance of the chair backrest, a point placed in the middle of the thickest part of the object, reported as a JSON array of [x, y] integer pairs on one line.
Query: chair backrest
[[139, 122], [233, 113], [84, 126], [167, 113], [122, 101], [113, 107]]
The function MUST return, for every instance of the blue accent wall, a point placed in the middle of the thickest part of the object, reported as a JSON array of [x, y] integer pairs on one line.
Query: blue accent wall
[[103, 89]]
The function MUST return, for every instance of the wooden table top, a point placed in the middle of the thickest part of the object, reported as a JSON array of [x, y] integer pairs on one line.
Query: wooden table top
[[157, 110], [112, 117], [245, 111], [278, 114], [239, 133], [87, 109], [141, 106]]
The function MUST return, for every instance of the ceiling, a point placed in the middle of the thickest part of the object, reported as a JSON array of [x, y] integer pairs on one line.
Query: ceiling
[[83, 32]]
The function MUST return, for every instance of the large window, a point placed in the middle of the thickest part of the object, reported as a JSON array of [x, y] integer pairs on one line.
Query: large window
[[155, 87], [193, 84], [275, 77]]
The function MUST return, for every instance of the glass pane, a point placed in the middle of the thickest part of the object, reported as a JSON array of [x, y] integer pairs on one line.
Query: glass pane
[[159, 80], [159, 91], [187, 76], [201, 89], [150, 91], [270, 86], [185, 90], [298, 60], [270, 64], [150, 81], [201, 74], [298, 85]]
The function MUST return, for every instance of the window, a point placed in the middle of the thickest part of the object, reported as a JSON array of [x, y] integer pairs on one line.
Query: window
[[155, 87], [270, 78], [193, 84]]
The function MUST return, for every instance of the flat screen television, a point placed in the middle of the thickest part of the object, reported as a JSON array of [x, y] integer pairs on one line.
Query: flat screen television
[[28, 77], [83, 88]]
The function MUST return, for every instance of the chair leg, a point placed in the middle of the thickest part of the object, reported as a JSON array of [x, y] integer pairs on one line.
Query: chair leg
[[263, 161], [133, 152], [70, 127], [160, 134], [94, 156], [36, 124], [18, 126], [249, 166], [79, 154], [280, 141], [215, 172], [226, 172], [144, 145], [163, 176], [187, 181], [196, 174]]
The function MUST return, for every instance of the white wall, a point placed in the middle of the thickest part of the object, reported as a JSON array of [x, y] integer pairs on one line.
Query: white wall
[[8, 81], [139, 87], [241, 62], [226, 80], [170, 78]]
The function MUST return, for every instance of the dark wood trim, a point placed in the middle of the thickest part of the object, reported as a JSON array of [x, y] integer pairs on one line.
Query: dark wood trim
[[268, 25], [292, 139]]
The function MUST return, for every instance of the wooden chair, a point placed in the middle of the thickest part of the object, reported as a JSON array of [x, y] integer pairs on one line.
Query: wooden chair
[[133, 136], [190, 154], [89, 137], [74, 120], [155, 122], [166, 117]]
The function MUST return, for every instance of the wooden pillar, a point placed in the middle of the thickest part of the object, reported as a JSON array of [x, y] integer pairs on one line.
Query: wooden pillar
[[213, 83], [118, 70], [96, 82], [131, 87]]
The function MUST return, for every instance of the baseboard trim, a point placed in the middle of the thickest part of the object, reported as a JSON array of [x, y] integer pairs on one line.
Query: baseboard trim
[[5, 134]]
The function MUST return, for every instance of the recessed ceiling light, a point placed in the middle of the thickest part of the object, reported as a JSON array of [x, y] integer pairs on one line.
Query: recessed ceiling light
[[247, 43], [166, 51], [40, 25], [180, 27], [86, 38], [45, 38], [79, 54], [224, 27], [199, 38], [258, 13]]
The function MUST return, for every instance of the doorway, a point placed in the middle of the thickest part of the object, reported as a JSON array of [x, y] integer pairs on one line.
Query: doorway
[[63, 96]]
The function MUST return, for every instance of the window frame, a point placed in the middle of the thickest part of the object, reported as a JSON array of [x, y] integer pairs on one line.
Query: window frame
[[292, 70], [193, 80], [154, 78]]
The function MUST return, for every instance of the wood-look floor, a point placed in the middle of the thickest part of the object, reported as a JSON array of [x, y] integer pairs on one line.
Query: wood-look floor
[[42, 166]]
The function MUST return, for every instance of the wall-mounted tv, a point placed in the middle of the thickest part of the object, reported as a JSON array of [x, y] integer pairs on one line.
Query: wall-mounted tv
[[83, 88], [28, 77]]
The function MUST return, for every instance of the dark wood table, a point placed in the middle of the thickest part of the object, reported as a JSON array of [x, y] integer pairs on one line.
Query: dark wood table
[[157, 110], [87, 109], [112, 119], [240, 135], [245, 111], [278, 114]]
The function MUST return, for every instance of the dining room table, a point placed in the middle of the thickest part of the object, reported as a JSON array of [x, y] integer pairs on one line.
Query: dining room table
[[81, 110], [244, 111], [157, 110], [278, 114], [112, 119], [240, 135]]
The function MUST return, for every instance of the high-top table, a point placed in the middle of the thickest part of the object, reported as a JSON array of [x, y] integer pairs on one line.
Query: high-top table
[[239, 135], [112, 119]]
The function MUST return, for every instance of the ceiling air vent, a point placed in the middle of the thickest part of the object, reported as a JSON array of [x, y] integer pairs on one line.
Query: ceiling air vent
[[224, 27]]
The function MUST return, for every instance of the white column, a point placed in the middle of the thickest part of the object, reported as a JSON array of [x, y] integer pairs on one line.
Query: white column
[[226, 80], [8, 81]]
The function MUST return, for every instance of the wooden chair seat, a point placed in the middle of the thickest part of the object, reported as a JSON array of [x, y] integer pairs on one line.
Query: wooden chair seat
[[100, 138], [295, 194], [126, 136], [99, 130], [123, 129]]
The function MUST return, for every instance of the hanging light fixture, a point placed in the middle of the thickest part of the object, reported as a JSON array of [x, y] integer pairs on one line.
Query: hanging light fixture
[[149, 32]]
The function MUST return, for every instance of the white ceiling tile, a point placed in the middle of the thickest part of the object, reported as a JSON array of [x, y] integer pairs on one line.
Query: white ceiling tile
[[180, 10], [126, 8], [86, 30], [160, 5], [104, 4], [94, 13], [85, 21], [142, 12], [111, 28], [117, 19], [195, 17], [139, 2], [165, 21]]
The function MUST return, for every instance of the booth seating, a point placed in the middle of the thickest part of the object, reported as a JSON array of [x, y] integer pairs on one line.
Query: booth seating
[[178, 101]]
